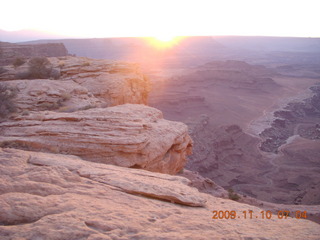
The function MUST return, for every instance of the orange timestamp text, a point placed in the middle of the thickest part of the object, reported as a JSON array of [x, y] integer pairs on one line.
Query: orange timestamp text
[[249, 214]]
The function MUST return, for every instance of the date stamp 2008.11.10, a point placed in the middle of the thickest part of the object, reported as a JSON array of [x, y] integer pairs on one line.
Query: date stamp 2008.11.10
[[249, 214]]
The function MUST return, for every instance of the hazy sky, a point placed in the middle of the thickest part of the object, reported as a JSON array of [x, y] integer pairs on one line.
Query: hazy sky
[[161, 18]]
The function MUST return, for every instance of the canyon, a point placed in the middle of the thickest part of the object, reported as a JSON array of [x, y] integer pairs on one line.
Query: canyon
[[84, 157], [233, 110]]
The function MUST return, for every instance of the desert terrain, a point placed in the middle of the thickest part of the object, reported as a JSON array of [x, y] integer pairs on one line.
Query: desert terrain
[[110, 149]]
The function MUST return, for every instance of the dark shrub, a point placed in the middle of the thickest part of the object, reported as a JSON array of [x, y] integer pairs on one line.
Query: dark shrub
[[55, 73], [232, 195], [7, 105], [39, 67], [3, 70], [22, 75], [18, 62]]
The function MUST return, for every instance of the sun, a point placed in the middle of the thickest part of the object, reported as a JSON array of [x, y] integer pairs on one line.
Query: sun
[[165, 38], [164, 41]]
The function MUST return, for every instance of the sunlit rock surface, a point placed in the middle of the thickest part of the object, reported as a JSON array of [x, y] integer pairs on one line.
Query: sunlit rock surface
[[128, 135], [78, 83], [48, 196]]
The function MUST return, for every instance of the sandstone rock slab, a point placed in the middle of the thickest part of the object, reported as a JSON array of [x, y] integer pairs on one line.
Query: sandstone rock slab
[[145, 183], [41, 199], [46, 94], [80, 83], [113, 82], [128, 135]]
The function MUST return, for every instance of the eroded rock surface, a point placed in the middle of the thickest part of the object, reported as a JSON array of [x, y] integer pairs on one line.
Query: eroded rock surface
[[46, 94], [113, 82], [167, 187], [128, 135], [48, 196], [78, 83]]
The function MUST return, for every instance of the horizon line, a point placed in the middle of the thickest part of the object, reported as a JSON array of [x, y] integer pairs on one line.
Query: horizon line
[[61, 36]]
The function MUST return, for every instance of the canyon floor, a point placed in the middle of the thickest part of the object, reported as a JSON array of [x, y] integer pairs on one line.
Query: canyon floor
[[227, 106]]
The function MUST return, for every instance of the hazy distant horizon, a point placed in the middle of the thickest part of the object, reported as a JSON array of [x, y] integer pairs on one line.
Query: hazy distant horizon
[[26, 35]]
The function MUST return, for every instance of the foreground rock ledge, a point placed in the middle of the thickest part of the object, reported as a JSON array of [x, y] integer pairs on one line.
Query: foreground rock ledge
[[52, 196], [127, 135], [155, 185]]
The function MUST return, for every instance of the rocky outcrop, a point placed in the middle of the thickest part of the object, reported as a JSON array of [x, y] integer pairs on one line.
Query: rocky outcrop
[[130, 136], [10, 51], [113, 82], [48, 196], [80, 83], [127, 135]]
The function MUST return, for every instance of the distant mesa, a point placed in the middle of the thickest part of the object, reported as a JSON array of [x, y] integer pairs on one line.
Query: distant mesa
[[26, 35], [9, 51]]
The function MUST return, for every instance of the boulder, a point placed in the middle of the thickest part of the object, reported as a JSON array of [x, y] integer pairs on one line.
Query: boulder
[[128, 135]]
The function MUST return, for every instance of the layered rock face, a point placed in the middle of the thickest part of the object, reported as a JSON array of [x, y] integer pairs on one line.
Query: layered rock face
[[81, 83], [51, 196], [10, 51], [113, 82], [127, 135]]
